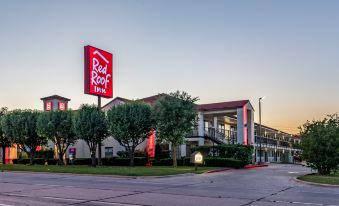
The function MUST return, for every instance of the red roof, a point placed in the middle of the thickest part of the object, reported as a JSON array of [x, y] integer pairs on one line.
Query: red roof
[[55, 97], [222, 105]]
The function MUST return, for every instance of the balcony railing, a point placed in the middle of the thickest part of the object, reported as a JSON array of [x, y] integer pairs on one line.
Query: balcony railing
[[272, 142], [219, 136]]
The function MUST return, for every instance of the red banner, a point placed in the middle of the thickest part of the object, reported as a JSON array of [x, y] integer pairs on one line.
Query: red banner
[[98, 72], [151, 145]]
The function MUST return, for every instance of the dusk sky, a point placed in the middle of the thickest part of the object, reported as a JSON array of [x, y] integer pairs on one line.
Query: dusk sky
[[216, 50]]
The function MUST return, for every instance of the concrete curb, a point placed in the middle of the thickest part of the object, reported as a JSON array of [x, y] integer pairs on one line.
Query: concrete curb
[[255, 166], [217, 170], [314, 183]]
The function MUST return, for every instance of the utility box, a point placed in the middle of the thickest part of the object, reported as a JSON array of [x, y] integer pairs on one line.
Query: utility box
[[196, 158]]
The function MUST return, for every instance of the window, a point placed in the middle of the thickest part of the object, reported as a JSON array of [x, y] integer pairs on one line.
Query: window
[[108, 151]]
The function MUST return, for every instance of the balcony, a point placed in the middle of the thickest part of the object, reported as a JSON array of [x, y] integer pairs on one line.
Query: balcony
[[219, 136]]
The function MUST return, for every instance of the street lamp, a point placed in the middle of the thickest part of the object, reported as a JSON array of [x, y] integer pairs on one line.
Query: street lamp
[[261, 98]]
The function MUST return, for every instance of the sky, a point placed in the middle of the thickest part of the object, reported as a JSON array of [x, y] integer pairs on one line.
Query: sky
[[215, 50]]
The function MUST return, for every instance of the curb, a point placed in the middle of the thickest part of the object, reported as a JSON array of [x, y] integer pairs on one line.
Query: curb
[[255, 166], [314, 183], [217, 170]]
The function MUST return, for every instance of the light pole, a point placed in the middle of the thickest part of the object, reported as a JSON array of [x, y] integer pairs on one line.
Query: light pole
[[261, 98]]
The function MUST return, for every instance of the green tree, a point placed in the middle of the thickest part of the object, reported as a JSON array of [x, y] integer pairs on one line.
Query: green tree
[[175, 116], [20, 126], [4, 140], [91, 125], [320, 144], [130, 124], [58, 127]]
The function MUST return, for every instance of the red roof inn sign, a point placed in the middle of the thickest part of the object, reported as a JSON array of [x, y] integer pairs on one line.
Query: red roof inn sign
[[98, 72]]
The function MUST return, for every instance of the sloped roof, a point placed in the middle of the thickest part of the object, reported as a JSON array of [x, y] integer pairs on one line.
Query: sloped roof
[[116, 98], [152, 99], [55, 97], [222, 105]]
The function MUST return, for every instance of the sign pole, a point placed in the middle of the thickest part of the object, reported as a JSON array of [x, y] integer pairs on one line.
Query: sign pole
[[99, 143]]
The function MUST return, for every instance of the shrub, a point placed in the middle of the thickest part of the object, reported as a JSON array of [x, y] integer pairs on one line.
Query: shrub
[[208, 162], [45, 154], [122, 154], [160, 152], [236, 151], [320, 143], [37, 161], [223, 162], [185, 161]]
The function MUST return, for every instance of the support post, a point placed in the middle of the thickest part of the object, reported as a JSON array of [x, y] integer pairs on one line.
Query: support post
[[260, 131], [99, 143], [201, 129]]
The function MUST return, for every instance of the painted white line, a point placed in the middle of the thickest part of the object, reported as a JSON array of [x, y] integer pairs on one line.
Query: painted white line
[[300, 203], [113, 203], [5, 205], [293, 172], [61, 198], [307, 203]]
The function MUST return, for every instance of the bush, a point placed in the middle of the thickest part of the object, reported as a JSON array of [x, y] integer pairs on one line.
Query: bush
[[320, 143], [37, 161], [160, 152], [122, 154], [228, 151], [208, 162], [223, 162], [138, 161], [185, 161], [45, 154]]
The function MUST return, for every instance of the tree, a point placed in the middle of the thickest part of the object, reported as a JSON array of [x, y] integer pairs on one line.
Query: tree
[[175, 116], [58, 127], [4, 140], [20, 126], [320, 144], [130, 124], [91, 125]]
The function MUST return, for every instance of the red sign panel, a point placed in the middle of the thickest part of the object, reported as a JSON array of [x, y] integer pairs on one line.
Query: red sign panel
[[49, 105], [98, 72]]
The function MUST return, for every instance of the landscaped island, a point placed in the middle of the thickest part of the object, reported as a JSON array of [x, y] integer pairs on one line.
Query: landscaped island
[[332, 179]]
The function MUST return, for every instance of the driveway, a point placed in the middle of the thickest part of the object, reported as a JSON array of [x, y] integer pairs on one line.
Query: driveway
[[273, 185]]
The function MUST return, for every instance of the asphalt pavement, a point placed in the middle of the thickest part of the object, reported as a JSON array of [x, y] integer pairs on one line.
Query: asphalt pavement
[[273, 185]]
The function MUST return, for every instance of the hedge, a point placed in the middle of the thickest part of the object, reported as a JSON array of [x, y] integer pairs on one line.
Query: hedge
[[38, 161], [169, 162], [208, 162], [223, 162], [229, 151], [138, 161]]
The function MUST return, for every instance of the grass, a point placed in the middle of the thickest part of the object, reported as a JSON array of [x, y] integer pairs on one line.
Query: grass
[[105, 170], [332, 179]]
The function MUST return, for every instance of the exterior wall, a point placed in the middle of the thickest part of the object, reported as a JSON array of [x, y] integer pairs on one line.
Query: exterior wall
[[11, 154], [82, 150], [275, 155]]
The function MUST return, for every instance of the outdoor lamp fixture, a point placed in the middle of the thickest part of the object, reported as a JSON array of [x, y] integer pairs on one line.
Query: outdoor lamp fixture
[[261, 98]]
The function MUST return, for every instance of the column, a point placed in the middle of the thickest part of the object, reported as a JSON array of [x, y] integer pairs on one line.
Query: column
[[183, 150], [250, 127], [215, 123], [241, 133], [201, 129]]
